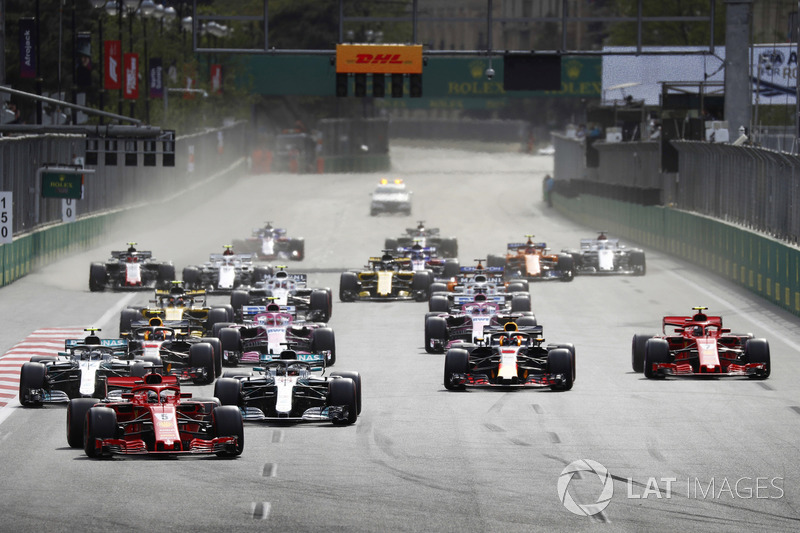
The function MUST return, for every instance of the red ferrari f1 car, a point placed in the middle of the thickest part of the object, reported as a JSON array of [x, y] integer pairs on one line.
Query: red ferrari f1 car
[[700, 346], [150, 415]]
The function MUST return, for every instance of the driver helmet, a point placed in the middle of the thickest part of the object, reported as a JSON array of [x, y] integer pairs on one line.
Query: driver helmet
[[697, 331], [152, 397], [228, 251]]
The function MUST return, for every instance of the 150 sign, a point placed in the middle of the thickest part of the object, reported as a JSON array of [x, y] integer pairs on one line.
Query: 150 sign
[[6, 217]]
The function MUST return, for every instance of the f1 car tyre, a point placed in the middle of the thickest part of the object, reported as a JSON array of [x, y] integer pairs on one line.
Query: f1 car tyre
[[348, 286], [228, 390], [219, 326], [297, 249], [637, 262], [438, 287], [520, 303], [230, 341], [76, 418], [438, 304], [559, 361], [421, 285], [456, 361], [449, 247], [524, 321], [493, 261], [191, 277], [320, 305], [201, 355], [166, 275], [32, 376], [567, 346], [323, 339], [655, 351], [98, 277], [577, 258], [356, 377], [259, 273], [435, 329], [637, 351], [101, 423], [518, 286], [757, 351], [566, 267], [240, 298], [217, 347], [452, 268], [342, 391], [126, 317], [390, 244], [227, 422], [217, 314], [140, 368], [42, 359]]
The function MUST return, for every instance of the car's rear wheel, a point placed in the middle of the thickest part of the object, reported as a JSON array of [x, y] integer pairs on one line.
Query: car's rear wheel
[[439, 303], [520, 303], [456, 361], [101, 423], [98, 277], [757, 351], [559, 361], [76, 418], [201, 355], [230, 341], [166, 275], [32, 376], [421, 285], [323, 339], [320, 305], [494, 261], [219, 326], [227, 422], [656, 351], [240, 298], [435, 330], [637, 351], [637, 263], [452, 268], [217, 314], [566, 267], [518, 286], [342, 392], [127, 317], [216, 345], [526, 321]]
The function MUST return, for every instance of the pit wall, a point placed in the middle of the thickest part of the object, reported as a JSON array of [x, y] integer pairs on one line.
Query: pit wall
[[763, 265]]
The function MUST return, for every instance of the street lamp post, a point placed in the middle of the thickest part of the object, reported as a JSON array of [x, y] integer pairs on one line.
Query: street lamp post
[[100, 5]]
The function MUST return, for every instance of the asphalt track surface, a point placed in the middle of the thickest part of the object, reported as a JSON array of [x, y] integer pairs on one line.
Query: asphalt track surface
[[420, 458]]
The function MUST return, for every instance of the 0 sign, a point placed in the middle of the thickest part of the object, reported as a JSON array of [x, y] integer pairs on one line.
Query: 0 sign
[[6, 217]]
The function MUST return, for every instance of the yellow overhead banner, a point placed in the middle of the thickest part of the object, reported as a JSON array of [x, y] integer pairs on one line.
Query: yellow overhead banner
[[379, 58]]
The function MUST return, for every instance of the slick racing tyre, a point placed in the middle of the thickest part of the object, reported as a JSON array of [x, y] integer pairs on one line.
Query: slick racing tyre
[[757, 351], [356, 377], [32, 377], [637, 352], [323, 339], [98, 277], [566, 267], [348, 286], [520, 303], [435, 330], [101, 423], [76, 417], [230, 341], [228, 390], [438, 304], [456, 361], [655, 351], [201, 355], [342, 392], [320, 305], [217, 347], [227, 422], [559, 361]]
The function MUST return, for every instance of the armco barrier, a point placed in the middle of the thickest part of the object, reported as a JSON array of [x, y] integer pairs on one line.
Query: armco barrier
[[767, 267]]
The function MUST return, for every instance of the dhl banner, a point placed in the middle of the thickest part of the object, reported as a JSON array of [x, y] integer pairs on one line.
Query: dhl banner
[[379, 58]]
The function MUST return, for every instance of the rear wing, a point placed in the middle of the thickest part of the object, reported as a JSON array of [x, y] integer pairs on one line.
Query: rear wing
[[216, 258], [296, 277], [461, 299], [514, 246], [123, 254], [252, 310], [472, 269], [315, 361], [121, 344], [685, 321]]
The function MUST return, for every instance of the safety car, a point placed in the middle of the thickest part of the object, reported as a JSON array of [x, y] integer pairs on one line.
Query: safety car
[[698, 345], [602, 255], [293, 388], [508, 357], [390, 197], [130, 269], [385, 278], [150, 415]]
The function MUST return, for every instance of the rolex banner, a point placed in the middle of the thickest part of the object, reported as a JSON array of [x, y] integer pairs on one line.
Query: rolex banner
[[113, 66]]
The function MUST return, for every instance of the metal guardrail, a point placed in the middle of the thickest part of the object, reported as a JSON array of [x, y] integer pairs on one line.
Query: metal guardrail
[[110, 187], [749, 186]]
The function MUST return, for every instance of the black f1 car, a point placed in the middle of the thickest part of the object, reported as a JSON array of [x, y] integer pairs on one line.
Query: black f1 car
[[510, 356], [425, 236], [288, 389], [699, 346], [270, 243], [130, 269]]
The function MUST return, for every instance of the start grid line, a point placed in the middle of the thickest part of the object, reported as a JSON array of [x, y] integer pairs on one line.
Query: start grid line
[[46, 341]]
